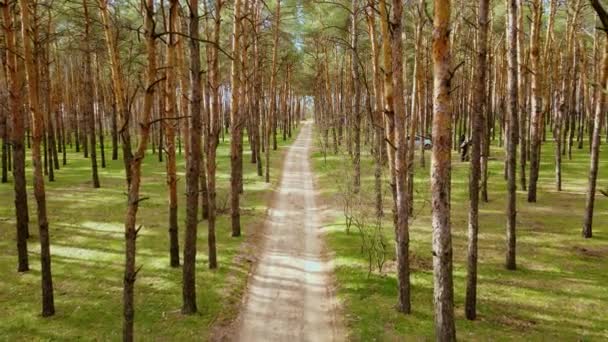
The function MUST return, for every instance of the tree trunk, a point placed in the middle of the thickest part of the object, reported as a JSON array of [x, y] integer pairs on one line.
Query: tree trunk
[[193, 168], [17, 117], [118, 87], [512, 133], [537, 110], [356, 96], [37, 122], [598, 123], [273, 85], [213, 133], [479, 105], [235, 122], [90, 98], [133, 197], [441, 174], [377, 111], [401, 162], [170, 125]]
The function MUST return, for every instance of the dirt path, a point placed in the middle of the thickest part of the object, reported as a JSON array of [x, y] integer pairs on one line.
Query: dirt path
[[289, 297]]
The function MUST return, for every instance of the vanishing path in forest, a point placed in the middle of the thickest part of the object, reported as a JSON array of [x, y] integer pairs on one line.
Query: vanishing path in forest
[[289, 297]]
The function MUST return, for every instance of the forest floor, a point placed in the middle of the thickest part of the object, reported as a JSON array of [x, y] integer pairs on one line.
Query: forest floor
[[558, 292], [290, 292], [87, 244]]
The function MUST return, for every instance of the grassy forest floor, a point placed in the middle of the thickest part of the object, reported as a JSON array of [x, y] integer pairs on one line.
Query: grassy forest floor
[[87, 244], [558, 292]]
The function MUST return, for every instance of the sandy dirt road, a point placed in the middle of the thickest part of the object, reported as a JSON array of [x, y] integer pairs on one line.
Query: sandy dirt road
[[289, 297]]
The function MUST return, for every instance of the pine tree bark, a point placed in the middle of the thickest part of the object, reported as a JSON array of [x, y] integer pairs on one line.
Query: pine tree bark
[[401, 160], [376, 119], [273, 85], [193, 168], [90, 97], [441, 174], [479, 106], [537, 110], [37, 122], [235, 122], [18, 136], [213, 133], [136, 175], [512, 109], [598, 123], [170, 126], [521, 98], [356, 106], [118, 87]]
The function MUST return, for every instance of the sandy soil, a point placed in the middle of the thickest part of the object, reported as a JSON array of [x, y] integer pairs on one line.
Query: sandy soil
[[290, 292]]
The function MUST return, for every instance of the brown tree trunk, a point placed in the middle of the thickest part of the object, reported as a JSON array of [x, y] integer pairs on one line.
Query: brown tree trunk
[[273, 85], [213, 133], [479, 105], [356, 96], [598, 123], [521, 98], [133, 197], [193, 168], [376, 119], [118, 87], [440, 175], [90, 97], [537, 110], [401, 162], [18, 132], [389, 118], [512, 132], [235, 122], [170, 126], [37, 121]]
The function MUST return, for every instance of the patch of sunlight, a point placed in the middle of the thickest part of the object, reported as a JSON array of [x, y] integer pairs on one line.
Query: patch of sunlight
[[257, 186], [103, 226], [110, 227], [347, 262], [536, 266], [84, 253], [155, 263], [159, 283]]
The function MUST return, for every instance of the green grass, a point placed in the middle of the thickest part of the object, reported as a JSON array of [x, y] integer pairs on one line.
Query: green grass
[[558, 292], [87, 248]]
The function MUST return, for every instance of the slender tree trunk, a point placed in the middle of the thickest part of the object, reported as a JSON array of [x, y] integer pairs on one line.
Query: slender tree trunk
[[377, 111], [213, 133], [235, 122], [118, 87], [5, 144], [537, 111], [479, 105], [90, 97], [37, 122], [441, 174], [356, 96], [512, 130], [598, 123], [273, 85], [18, 132], [401, 162], [170, 126], [193, 168], [521, 98], [133, 197]]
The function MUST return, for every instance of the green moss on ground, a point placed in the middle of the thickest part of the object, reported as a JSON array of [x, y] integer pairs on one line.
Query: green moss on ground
[[87, 248], [559, 291]]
